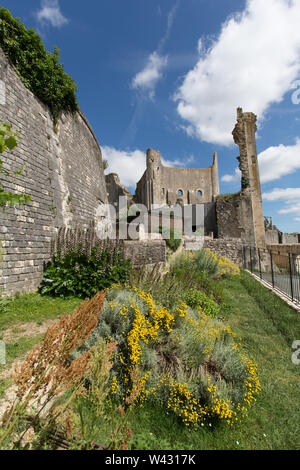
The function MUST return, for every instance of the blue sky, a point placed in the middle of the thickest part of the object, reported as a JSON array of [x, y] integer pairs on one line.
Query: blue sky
[[169, 74]]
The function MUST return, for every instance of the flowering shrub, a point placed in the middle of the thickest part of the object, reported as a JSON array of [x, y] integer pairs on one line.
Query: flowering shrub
[[226, 267], [204, 261], [196, 262], [181, 358]]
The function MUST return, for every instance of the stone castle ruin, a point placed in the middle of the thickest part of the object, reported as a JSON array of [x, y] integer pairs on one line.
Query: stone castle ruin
[[162, 185], [63, 173], [237, 216]]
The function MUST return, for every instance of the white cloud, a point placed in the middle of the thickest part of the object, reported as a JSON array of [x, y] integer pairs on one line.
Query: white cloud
[[278, 194], [170, 21], [232, 178], [274, 163], [147, 78], [130, 165], [253, 63], [50, 13], [290, 196]]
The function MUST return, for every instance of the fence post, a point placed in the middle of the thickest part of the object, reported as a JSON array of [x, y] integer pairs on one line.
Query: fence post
[[291, 275], [259, 259], [245, 256], [272, 270]]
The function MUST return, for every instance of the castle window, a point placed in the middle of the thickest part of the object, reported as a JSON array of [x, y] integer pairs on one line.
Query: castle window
[[199, 193], [180, 192]]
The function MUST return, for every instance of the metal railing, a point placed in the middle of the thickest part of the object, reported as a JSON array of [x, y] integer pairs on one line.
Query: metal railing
[[279, 270]]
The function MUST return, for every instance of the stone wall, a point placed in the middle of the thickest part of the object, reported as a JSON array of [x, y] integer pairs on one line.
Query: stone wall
[[115, 190], [230, 248], [272, 236], [235, 218], [63, 174], [145, 252], [285, 249], [290, 238]]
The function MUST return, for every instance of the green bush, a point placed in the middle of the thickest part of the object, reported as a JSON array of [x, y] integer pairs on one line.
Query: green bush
[[39, 70], [197, 262], [81, 275], [197, 298], [204, 262]]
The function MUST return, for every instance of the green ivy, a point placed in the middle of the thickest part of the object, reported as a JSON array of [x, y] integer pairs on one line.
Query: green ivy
[[245, 182], [8, 141], [38, 69]]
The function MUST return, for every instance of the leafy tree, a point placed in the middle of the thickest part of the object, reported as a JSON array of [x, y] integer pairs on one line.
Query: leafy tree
[[8, 141]]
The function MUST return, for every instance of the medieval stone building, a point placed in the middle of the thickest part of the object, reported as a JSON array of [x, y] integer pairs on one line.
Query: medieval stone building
[[237, 216], [162, 185]]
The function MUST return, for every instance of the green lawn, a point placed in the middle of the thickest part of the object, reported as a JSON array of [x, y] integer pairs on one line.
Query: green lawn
[[33, 307], [268, 327]]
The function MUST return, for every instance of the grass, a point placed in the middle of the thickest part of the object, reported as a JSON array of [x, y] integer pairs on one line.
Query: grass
[[35, 308], [268, 327]]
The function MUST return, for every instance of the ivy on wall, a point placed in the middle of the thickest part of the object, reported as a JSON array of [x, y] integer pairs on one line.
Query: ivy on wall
[[39, 70], [8, 141]]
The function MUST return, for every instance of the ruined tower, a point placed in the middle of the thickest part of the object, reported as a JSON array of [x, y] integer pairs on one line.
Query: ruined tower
[[244, 137]]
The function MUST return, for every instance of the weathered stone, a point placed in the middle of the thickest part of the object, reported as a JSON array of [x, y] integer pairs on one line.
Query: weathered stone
[[244, 137], [145, 252], [230, 248], [162, 185]]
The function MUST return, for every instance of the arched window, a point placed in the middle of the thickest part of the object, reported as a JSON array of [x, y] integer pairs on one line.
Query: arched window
[[199, 193], [180, 192]]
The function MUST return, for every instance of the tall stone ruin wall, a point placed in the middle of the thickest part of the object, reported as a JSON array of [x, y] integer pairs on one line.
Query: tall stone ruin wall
[[235, 218], [63, 174]]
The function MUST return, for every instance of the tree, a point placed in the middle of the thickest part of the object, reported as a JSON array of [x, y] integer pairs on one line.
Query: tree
[[8, 141]]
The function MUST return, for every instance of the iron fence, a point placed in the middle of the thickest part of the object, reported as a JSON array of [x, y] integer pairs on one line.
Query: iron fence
[[278, 269]]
